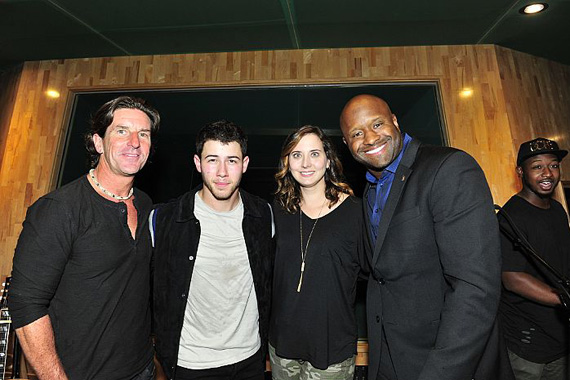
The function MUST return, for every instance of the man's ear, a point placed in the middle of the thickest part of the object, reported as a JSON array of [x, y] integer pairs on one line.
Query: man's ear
[[245, 164], [98, 143], [395, 121], [519, 171], [198, 163]]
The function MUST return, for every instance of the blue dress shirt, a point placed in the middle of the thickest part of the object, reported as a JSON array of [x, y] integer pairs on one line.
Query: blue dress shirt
[[380, 189]]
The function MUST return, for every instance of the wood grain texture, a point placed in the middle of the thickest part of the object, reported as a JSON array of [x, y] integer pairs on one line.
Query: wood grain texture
[[9, 78], [481, 124], [537, 95]]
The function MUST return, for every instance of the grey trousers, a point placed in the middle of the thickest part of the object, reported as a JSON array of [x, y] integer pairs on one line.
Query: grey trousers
[[527, 370]]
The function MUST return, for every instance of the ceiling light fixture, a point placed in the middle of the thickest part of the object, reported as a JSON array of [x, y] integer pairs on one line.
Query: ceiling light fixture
[[533, 8], [52, 94]]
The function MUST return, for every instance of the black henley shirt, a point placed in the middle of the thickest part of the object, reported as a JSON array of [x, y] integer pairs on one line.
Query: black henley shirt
[[76, 260]]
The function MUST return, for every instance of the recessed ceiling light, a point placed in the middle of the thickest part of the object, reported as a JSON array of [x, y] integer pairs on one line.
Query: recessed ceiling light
[[533, 8], [52, 94]]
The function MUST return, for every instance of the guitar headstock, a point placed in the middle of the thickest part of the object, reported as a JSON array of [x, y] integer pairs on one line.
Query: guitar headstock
[[4, 293]]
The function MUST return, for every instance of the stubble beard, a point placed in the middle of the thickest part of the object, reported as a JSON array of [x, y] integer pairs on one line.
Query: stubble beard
[[222, 195]]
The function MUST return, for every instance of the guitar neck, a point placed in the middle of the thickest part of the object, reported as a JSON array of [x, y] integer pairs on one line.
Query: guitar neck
[[5, 324]]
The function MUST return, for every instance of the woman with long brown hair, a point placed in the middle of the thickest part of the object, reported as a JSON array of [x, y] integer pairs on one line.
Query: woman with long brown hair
[[318, 254]]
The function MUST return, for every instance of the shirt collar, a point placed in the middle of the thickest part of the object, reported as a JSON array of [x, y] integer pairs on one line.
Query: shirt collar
[[390, 169]]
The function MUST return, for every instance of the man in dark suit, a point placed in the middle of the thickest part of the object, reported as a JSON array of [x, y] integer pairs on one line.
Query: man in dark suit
[[434, 253]]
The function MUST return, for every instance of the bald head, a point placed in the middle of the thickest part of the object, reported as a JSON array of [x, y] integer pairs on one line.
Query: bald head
[[371, 132], [359, 102]]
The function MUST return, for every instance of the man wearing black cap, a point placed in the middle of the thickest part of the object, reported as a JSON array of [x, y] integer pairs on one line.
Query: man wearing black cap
[[535, 326]]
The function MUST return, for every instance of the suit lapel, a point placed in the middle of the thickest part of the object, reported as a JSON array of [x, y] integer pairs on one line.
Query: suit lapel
[[401, 176], [366, 213]]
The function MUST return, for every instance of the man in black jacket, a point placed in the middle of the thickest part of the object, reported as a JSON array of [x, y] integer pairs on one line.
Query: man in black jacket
[[212, 272], [435, 256]]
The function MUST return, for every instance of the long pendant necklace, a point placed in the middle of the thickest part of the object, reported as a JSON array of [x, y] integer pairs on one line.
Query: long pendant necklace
[[107, 192], [304, 252]]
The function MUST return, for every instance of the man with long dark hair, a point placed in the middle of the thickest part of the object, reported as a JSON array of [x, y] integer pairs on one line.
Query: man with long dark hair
[[80, 295]]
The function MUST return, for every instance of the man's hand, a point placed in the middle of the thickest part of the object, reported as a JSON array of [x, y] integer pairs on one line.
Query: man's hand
[[564, 299]]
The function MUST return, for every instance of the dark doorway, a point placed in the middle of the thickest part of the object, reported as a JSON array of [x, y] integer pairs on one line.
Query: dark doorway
[[267, 114]]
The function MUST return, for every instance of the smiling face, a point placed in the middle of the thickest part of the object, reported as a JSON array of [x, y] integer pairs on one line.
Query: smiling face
[[222, 167], [540, 174], [308, 162], [371, 132], [126, 145]]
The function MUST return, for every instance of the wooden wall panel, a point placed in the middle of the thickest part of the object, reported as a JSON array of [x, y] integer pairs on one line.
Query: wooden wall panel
[[9, 78], [478, 124], [537, 95]]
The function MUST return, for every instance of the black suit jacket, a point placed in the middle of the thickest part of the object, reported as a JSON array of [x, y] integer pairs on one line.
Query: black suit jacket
[[435, 270]]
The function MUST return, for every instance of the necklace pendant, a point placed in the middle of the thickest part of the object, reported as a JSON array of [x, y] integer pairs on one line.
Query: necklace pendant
[[301, 277]]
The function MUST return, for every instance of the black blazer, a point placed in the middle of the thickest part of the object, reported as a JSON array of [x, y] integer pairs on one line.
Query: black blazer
[[435, 269]]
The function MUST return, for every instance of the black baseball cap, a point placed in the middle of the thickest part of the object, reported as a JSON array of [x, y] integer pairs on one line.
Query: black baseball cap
[[539, 146]]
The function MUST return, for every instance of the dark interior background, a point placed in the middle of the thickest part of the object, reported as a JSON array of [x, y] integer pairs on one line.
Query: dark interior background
[[55, 29], [268, 115]]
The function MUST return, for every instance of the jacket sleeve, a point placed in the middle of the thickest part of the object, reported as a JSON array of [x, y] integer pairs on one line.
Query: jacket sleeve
[[41, 255], [467, 236]]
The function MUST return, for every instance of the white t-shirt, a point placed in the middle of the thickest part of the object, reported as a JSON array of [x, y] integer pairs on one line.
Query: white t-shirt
[[221, 321]]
